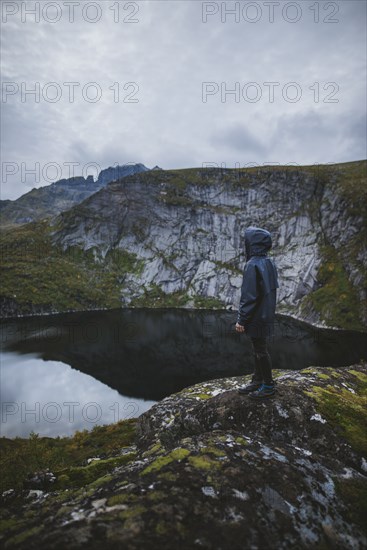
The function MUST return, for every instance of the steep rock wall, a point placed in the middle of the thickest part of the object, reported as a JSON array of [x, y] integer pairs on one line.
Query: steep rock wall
[[188, 228]]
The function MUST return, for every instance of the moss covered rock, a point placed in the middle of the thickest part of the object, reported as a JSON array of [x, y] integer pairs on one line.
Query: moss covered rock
[[214, 469]]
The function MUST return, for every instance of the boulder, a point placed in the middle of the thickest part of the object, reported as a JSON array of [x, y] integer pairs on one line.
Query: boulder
[[211, 468]]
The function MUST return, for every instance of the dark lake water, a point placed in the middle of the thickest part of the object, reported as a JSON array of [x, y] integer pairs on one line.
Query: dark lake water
[[67, 372]]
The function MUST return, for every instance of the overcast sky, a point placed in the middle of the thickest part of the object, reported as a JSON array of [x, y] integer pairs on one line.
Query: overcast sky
[[181, 57]]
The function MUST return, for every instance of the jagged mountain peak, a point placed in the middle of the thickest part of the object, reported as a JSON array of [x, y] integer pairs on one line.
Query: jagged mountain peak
[[113, 173], [61, 195]]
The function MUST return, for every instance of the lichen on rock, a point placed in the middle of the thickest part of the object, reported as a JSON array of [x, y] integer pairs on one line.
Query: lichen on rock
[[222, 472]]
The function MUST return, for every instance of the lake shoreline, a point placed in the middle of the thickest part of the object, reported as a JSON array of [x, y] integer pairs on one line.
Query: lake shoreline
[[139, 355], [290, 316], [205, 442]]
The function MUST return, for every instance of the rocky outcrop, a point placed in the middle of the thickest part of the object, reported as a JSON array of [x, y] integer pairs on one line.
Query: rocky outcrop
[[212, 469], [114, 173], [178, 237], [50, 200], [192, 241]]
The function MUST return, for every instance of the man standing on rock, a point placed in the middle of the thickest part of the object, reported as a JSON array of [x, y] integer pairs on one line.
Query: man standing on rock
[[256, 313]]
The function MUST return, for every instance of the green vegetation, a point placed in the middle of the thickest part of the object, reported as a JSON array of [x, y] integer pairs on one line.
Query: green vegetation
[[212, 450], [336, 300], [36, 275], [346, 411], [155, 297], [34, 272], [351, 185], [174, 192], [21, 537], [123, 261], [177, 182], [65, 456], [167, 259], [156, 448], [121, 498], [176, 199], [203, 462], [208, 302], [353, 492], [314, 371], [180, 178], [241, 441], [167, 476], [160, 462], [201, 395], [140, 229], [229, 267], [80, 476], [132, 511]]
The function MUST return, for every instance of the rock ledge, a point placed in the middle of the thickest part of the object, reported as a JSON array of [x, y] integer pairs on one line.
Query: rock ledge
[[213, 469]]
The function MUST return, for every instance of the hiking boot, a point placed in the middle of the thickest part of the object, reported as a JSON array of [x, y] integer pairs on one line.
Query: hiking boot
[[249, 388], [263, 392]]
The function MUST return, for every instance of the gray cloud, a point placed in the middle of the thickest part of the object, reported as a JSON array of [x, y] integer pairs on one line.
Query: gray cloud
[[57, 384], [169, 53], [239, 138]]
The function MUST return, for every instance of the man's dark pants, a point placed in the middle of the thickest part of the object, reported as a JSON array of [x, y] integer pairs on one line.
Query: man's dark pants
[[263, 364]]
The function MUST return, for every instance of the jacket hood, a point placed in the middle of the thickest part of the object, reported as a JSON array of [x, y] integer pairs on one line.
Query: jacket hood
[[257, 241]]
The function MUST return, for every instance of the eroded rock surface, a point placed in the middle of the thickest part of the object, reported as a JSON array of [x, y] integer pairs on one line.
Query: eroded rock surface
[[175, 238], [213, 469]]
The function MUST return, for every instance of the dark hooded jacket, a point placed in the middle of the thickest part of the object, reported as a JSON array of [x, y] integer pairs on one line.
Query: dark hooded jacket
[[260, 280]]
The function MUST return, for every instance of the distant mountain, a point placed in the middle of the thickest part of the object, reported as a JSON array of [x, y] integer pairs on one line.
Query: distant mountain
[[60, 196], [118, 172]]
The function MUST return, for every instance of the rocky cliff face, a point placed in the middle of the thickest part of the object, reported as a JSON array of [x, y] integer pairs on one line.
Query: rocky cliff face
[[187, 228], [61, 195], [209, 468], [176, 238]]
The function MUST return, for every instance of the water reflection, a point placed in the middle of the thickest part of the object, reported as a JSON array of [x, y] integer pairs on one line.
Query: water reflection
[[143, 355], [52, 399]]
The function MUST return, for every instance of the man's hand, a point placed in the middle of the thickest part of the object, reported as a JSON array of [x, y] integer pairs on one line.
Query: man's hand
[[240, 328]]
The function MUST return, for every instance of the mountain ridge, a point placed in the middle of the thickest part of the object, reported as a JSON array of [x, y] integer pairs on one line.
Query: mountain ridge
[[60, 195], [175, 238]]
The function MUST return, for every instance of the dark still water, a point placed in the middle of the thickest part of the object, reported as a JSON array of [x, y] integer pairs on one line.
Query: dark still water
[[68, 372]]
